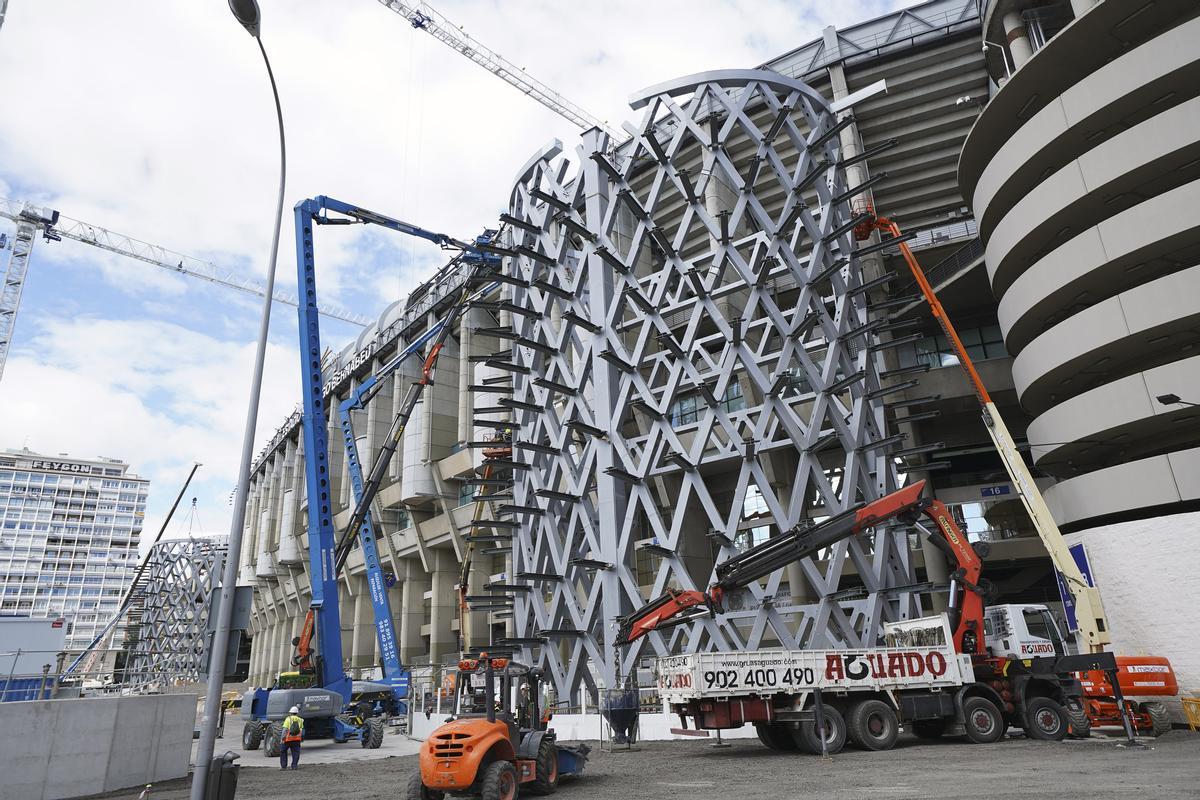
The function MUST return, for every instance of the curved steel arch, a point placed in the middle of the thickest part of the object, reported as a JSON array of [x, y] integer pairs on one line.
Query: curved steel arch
[[693, 362], [726, 78]]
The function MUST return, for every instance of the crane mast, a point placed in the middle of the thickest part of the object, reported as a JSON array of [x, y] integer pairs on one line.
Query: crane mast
[[424, 17], [14, 283]]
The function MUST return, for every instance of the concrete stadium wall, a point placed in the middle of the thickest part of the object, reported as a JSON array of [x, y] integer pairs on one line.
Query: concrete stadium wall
[[68, 748], [1143, 569]]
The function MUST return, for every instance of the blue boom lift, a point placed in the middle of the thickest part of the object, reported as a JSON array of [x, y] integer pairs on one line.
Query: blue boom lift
[[320, 687]]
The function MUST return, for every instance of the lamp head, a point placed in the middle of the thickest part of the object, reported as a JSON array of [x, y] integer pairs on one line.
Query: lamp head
[[1168, 399], [248, 14]]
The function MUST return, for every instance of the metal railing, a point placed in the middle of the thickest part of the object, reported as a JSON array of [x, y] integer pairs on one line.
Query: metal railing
[[949, 267], [22, 680]]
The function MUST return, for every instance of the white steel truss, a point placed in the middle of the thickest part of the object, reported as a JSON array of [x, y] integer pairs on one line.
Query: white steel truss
[[166, 633], [14, 284], [693, 366]]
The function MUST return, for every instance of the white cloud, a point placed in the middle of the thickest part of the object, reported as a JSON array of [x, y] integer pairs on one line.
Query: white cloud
[[151, 393]]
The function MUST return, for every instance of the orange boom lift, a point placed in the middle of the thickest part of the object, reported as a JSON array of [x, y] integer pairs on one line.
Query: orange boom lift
[[1104, 687]]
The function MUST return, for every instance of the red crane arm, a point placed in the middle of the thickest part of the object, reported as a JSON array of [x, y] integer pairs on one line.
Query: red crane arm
[[757, 562], [302, 660]]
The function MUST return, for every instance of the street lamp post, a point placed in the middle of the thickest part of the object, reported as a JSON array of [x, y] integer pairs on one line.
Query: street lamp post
[[247, 13]]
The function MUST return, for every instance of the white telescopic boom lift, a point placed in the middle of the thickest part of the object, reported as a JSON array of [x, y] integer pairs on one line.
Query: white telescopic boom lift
[[1089, 611]]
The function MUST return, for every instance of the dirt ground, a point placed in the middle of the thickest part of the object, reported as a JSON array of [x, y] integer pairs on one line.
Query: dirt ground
[[693, 770]]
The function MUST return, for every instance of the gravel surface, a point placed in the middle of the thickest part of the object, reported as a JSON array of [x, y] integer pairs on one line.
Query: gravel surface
[[693, 770]]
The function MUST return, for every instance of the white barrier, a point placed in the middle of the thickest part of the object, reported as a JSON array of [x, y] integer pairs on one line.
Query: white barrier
[[54, 749]]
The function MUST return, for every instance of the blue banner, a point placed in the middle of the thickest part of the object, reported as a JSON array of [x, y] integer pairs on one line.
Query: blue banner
[[1081, 560]]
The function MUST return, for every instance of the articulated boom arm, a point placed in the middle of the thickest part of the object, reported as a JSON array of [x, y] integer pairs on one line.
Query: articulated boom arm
[[760, 561], [326, 553], [1088, 609], [364, 494], [353, 215]]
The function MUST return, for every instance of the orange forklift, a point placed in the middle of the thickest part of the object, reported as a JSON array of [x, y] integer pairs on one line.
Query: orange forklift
[[499, 742]]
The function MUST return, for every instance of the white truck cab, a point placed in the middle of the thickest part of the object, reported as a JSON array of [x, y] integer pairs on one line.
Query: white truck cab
[[1022, 631]]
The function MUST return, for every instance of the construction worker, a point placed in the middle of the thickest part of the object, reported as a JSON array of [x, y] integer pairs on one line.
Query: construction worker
[[293, 732]]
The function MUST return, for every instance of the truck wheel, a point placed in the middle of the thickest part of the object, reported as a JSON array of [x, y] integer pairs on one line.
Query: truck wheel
[[1077, 720], [982, 721], [273, 740], [1160, 720], [835, 734], [373, 735], [928, 728], [1045, 719], [775, 736], [872, 725], [545, 779], [419, 791], [252, 735], [499, 782]]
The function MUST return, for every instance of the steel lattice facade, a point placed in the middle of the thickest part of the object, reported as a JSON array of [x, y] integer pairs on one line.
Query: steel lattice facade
[[170, 612], [713, 259]]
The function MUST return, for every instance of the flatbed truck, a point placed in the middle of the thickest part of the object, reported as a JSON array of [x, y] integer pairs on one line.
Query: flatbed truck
[[866, 694], [942, 675]]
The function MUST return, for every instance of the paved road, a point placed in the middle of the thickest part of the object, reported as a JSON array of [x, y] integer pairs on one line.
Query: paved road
[[1015, 768], [319, 752]]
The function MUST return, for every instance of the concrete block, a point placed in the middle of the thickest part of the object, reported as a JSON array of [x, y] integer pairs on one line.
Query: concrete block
[[134, 744], [177, 721], [69, 748], [24, 751], [81, 745]]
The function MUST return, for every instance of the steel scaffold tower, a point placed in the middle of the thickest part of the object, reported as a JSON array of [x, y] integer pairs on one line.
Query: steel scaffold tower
[[690, 371], [14, 283]]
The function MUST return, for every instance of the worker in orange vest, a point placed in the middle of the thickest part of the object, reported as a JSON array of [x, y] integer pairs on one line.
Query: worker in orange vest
[[293, 732]]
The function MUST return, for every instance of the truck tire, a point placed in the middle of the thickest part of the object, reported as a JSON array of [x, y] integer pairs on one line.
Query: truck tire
[[1160, 720], [499, 782], [928, 728], [545, 778], [776, 736], [273, 740], [808, 741], [1077, 720], [373, 735], [252, 735], [419, 791], [982, 721], [872, 725], [1046, 720]]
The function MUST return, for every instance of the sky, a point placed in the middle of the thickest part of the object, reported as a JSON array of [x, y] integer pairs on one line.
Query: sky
[[155, 120]]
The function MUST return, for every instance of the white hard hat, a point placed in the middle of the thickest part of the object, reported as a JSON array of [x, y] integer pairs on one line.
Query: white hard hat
[[294, 710]]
